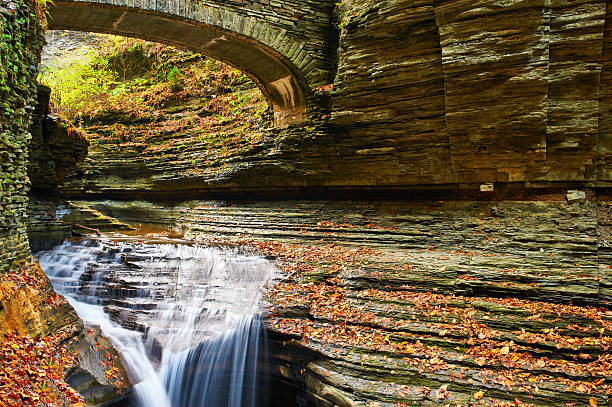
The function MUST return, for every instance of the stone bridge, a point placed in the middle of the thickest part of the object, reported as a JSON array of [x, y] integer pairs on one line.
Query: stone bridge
[[282, 45]]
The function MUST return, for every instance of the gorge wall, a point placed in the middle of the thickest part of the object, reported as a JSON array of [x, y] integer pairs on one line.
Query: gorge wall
[[20, 46], [447, 95], [33, 318], [425, 303], [55, 147], [476, 91], [427, 94]]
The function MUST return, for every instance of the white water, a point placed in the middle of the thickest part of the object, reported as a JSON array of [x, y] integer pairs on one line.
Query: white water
[[184, 318]]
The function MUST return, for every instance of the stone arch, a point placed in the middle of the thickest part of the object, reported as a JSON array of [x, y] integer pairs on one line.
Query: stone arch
[[271, 57]]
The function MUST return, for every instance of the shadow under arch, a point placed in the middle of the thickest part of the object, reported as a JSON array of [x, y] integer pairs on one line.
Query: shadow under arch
[[279, 80]]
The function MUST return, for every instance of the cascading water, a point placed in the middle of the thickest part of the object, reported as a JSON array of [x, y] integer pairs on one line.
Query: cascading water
[[183, 317]]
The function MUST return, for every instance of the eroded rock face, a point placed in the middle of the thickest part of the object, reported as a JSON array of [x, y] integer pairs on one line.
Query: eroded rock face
[[461, 92], [29, 306], [59, 44], [425, 302], [55, 149], [451, 95], [50, 222]]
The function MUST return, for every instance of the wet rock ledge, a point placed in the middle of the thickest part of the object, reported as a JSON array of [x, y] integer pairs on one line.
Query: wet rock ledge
[[429, 302]]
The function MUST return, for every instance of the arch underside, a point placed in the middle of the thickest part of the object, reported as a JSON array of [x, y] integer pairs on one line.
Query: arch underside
[[276, 78]]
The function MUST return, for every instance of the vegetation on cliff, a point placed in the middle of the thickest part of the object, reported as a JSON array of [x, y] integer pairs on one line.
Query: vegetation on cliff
[[33, 369], [32, 360], [20, 38], [158, 104]]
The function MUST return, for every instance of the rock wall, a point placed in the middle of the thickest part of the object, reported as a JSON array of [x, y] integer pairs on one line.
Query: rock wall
[[56, 147], [460, 303], [30, 307], [446, 95], [28, 304], [460, 92], [20, 43], [64, 45], [388, 99], [604, 142]]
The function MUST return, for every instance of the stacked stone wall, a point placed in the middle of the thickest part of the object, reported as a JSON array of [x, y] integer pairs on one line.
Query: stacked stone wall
[[20, 43]]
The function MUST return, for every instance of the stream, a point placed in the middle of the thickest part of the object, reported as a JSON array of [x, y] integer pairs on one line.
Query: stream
[[183, 317]]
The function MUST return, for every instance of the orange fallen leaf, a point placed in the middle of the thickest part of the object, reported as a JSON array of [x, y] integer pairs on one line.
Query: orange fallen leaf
[[478, 395]]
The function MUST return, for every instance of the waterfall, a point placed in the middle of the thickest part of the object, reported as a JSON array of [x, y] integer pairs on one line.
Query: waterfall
[[222, 371], [183, 317]]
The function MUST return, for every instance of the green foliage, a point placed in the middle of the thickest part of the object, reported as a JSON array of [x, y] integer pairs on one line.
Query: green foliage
[[173, 77], [342, 14], [130, 60], [132, 96], [85, 84], [136, 78], [13, 66]]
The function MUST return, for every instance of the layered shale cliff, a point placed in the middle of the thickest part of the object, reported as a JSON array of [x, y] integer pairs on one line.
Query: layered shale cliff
[[476, 91], [56, 147], [414, 303], [459, 303], [444, 95]]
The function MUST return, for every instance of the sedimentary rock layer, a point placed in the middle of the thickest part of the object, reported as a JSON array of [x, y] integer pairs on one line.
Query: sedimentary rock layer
[[55, 148], [451, 93], [475, 91], [460, 302]]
